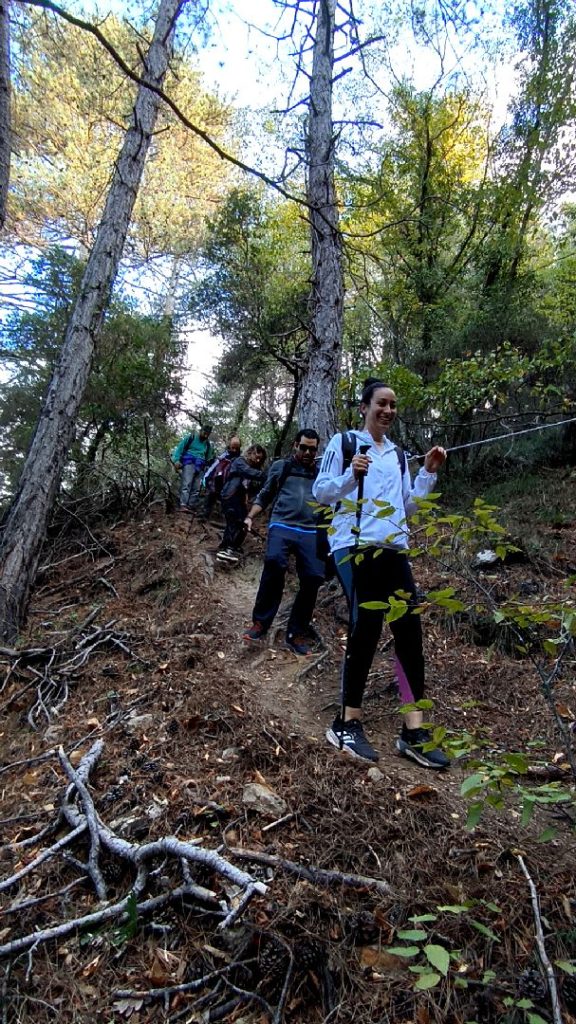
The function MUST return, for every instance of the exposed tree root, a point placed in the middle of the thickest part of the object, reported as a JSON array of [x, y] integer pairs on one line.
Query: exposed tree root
[[54, 668], [79, 814]]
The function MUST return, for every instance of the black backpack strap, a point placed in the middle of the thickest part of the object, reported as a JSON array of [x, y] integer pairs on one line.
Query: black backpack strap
[[401, 459], [348, 442], [286, 470]]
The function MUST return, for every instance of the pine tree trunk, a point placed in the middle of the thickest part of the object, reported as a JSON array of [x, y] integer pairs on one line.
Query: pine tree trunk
[[318, 391], [4, 106], [25, 526]]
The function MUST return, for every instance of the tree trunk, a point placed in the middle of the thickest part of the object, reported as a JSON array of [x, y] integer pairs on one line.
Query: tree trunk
[[242, 408], [287, 425], [26, 523], [318, 391], [4, 107]]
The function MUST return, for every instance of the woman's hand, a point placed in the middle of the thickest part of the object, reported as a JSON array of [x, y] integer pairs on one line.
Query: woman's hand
[[435, 458], [360, 465]]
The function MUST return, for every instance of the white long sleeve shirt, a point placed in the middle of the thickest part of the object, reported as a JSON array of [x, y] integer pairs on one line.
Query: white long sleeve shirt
[[384, 482]]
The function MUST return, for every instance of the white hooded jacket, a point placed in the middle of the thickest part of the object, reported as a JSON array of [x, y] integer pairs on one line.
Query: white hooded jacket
[[384, 482]]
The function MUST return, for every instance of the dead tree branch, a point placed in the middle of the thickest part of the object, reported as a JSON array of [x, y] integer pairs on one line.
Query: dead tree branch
[[540, 942], [318, 876], [78, 811]]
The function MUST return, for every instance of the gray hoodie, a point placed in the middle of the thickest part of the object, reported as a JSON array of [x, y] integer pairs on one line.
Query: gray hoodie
[[291, 505]]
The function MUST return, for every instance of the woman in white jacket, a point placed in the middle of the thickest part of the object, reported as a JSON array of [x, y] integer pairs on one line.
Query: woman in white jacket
[[382, 570]]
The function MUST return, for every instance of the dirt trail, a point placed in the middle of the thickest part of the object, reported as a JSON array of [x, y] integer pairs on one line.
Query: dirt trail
[[303, 692]]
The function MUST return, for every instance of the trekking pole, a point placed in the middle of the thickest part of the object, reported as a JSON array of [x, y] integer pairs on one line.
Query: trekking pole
[[363, 449]]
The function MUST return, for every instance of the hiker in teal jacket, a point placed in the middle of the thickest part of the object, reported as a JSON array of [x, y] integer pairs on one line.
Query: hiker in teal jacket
[[192, 455]]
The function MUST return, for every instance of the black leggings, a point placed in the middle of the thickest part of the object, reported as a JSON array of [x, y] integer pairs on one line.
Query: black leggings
[[376, 577], [234, 509]]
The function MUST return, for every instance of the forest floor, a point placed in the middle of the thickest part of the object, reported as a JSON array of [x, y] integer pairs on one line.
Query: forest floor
[[135, 638]]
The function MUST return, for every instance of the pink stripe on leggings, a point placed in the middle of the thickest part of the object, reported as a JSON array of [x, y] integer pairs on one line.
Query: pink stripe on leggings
[[406, 693]]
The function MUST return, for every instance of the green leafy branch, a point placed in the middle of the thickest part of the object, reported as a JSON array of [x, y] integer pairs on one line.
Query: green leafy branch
[[433, 961]]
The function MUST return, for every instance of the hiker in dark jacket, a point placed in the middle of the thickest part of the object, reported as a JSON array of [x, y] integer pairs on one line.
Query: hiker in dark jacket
[[292, 530], [217, 474], [245, 478], [191, 456]]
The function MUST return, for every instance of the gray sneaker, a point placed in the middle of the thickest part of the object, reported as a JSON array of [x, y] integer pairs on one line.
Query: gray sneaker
[[410, 744]]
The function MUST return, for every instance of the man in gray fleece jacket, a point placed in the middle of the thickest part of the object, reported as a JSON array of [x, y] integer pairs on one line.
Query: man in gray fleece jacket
[[292, 530]]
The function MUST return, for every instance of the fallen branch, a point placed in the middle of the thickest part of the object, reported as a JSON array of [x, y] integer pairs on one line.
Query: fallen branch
[[312, 663], [55, 666], [279, 821], [540, 942], [19, 905], [45, 855], [277, 1019], [250, 997], [172, 990], [117, 910], [92, 866], [77, 810], [318, 876], [28, 761]]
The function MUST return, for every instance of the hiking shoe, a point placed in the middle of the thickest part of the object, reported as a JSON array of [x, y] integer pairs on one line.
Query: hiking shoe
[[254, 634], [410, 744], [298, 644], [227, 555], [354, 742]]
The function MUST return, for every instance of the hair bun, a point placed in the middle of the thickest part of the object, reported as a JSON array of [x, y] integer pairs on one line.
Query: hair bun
[[371, 384]]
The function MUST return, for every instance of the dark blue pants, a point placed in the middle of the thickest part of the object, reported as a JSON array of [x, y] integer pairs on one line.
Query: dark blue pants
[[282, 542]]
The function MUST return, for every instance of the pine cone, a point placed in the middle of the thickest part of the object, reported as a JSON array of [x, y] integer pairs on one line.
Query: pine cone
[[569, 992], [531, 985], [271, 955], [111, 797], [273, 964], [113, 871], [363, 928], [308, 955]]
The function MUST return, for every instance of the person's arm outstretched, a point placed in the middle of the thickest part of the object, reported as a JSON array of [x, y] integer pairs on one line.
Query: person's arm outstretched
[[425, 479]]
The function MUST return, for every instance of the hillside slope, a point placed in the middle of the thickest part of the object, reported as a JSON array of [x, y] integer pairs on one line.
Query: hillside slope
[[135, 640]]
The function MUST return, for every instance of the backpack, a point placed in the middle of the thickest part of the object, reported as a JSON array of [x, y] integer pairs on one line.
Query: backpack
[[218, 478]]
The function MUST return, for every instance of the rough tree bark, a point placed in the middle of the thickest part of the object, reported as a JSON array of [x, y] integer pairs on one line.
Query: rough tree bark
[[25, 525], [4, 106], [318, 391]]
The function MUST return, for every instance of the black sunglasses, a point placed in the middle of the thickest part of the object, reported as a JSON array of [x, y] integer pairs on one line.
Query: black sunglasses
[[308, 447]]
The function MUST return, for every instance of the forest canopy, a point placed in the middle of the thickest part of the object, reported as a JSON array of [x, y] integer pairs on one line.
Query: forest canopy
[[455, 226]]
